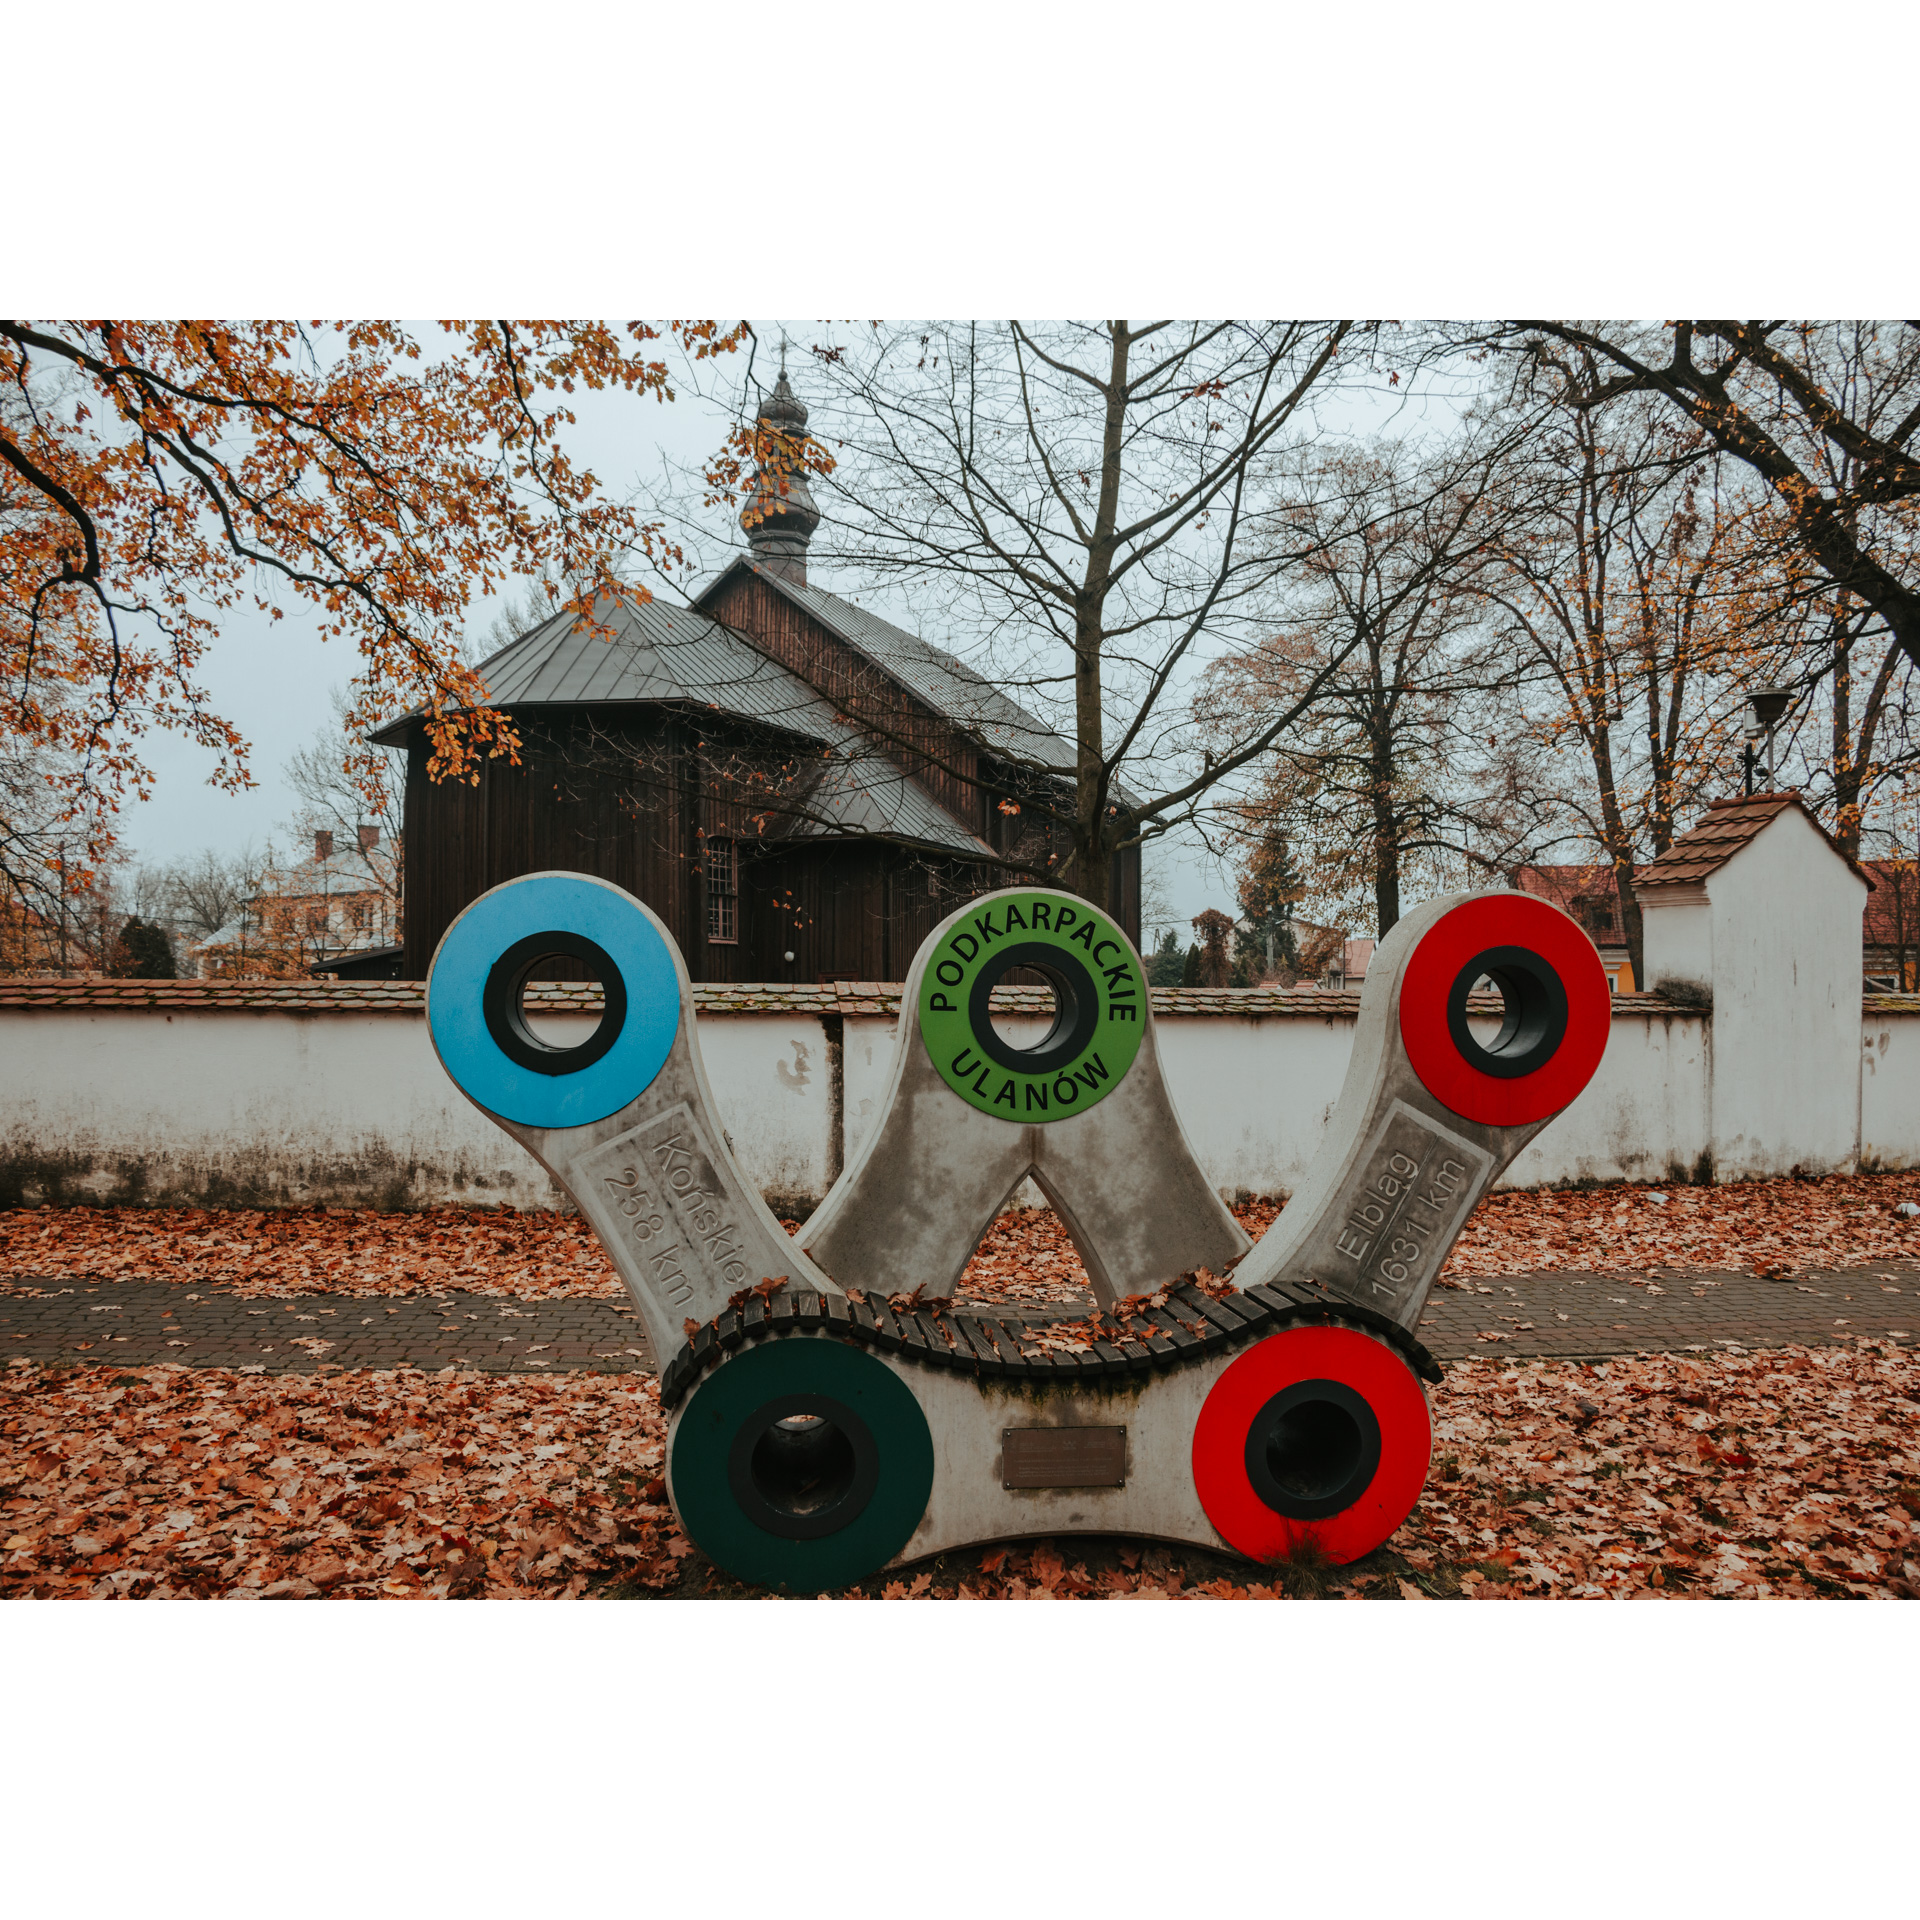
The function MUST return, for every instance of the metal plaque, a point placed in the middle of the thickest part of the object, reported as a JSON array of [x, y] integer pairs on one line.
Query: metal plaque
[[1063, 1457]]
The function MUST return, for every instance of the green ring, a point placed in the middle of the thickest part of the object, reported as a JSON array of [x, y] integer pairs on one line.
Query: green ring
[[731, 1394], [1093, 944]]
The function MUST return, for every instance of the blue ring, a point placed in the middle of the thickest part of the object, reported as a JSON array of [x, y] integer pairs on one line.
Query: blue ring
[[543, 903]]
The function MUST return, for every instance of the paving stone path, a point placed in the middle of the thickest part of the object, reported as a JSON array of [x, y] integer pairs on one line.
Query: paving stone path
[[139, 1322], [1557, 1314], [1586, 1315]]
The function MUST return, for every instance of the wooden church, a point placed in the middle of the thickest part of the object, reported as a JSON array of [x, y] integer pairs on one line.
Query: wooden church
[[800, 789]]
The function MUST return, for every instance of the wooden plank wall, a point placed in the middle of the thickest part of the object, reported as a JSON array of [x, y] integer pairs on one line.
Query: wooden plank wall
[[631, 794], [920, 740], [848, 910], [564, 808]]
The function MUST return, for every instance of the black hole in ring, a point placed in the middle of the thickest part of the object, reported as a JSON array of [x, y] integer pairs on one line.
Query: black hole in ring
[[1313, 1449], [1076, 1010], [1536, 1019], [803, 1466], [507, 1023]]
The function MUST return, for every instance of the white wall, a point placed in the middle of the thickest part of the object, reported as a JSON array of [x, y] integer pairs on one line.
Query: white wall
[[1255, 1096], [1889, 1089], [350, 1106], [1786, 1005], [246, 1106], [309, 1095], [770, 1076], [868, 1061], [1677, 931], [239, 1106]]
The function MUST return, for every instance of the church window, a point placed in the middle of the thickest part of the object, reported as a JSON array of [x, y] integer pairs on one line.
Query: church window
[[723, 891]]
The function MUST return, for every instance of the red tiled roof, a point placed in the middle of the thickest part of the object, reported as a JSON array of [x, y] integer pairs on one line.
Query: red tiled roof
[[1565, 884], [1893, 907], [280, 996], [1729, 825], [1574, 889]]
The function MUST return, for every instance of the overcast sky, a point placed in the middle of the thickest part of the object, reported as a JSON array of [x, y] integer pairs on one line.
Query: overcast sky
[[275, 679], [1300, 163]]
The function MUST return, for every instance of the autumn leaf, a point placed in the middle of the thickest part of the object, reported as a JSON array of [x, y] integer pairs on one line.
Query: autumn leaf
[[202, 466]]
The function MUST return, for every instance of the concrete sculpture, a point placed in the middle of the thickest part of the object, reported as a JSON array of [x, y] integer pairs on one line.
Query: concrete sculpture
[[831, 1413], [970, 1115]]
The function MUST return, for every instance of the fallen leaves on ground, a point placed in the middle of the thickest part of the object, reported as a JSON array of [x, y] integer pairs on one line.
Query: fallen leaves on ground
[[281, 1252], [401, 1484], [1792, 1472], [1757, 1226], [1024, 1260]]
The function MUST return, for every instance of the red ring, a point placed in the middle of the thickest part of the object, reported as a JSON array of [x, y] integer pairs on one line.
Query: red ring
[[1373, 1371], [1504, 920]]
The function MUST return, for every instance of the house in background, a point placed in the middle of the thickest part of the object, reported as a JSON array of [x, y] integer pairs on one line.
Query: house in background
[[798, 788], [1591, 894], [1891, 937], [1355, 956], [1329, 956], [337, 912]]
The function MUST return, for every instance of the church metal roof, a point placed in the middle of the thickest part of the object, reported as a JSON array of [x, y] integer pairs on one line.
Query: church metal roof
[[656, 654], [869, 794], [663, 655], [946, 684]]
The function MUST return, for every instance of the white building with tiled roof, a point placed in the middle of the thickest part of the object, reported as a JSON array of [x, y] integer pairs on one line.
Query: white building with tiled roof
[[1756, 914]]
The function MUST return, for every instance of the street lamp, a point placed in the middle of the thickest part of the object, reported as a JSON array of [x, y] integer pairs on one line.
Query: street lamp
[[1766, 709]]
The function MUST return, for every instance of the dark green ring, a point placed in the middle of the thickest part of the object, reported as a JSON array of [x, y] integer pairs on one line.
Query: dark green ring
[[730, 1396]]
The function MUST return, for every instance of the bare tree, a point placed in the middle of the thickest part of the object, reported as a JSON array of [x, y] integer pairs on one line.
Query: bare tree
[[1385, 773], [205, 892], [526, 605], [1086, 500], [37, 845], [353, 793], [1618, 589], [1826, 414], [1853, 736]]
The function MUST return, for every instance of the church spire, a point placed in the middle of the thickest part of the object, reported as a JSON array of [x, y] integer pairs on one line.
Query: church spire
[[779, 525]]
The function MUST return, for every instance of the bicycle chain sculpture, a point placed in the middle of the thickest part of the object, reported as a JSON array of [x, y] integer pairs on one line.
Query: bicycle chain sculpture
[[831, 1414]]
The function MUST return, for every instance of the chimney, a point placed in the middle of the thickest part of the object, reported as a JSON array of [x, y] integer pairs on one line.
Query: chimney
[[322, 844], [369, 839]]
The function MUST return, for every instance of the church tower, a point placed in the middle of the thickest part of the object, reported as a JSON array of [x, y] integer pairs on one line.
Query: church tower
[[779, 524]]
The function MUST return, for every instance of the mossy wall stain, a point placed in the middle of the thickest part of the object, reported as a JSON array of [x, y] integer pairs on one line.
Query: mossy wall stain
[[375, 1177]]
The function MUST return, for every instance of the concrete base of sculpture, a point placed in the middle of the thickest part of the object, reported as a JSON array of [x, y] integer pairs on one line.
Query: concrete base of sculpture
[[1400, 1169], [999, 1436]]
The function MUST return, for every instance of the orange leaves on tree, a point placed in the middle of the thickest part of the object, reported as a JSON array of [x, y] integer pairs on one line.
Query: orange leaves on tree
[[156, 474]]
